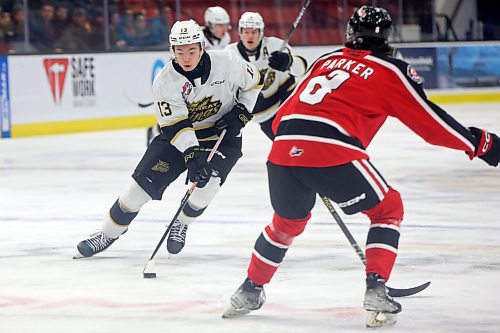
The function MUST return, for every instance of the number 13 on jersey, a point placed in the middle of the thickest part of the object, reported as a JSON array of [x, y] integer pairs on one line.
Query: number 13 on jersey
[[164, 108]]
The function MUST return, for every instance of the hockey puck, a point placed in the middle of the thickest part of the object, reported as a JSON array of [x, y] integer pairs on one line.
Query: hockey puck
[[149, 275]]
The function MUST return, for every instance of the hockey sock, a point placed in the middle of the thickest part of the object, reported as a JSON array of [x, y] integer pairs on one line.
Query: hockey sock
[[190, 213], [199, 200], [118, 221], [383, 237], [124, 210], [271, 246]]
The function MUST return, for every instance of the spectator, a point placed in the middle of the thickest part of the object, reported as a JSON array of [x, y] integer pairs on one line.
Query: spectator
[[125, 30], [142, 32], [115, 39], [160, 28], [42, 29], [61, 20], [6, 32], [98, 29], [17, 43], [78, 36]]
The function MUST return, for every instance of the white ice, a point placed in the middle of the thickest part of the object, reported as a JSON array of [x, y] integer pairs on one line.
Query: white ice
[[55, 191]]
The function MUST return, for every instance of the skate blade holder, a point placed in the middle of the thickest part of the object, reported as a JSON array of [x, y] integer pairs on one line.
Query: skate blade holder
[[377, 319], [234, 312]]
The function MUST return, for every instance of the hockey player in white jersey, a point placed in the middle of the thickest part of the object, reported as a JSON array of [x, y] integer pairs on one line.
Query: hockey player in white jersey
[[195, 101], [279, 67], [217, 25], [215, 32]]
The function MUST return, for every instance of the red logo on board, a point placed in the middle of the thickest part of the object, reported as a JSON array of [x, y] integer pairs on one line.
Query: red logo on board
[[56, 73]]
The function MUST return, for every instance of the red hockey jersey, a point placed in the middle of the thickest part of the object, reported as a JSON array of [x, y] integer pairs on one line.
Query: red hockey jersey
[[342, 102]]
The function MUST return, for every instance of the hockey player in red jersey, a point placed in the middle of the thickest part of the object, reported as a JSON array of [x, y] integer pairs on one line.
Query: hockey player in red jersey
[[322, 131]]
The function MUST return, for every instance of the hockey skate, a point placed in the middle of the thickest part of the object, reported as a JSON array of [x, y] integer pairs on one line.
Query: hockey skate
[[96, 243], [177, 237], [248, 297], [381, 309]]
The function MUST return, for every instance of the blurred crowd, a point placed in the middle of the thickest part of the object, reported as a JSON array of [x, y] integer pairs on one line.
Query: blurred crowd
[[79, 26]]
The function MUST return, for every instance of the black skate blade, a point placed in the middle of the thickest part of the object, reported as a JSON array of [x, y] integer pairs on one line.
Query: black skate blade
[[234, 312], [395, 292]]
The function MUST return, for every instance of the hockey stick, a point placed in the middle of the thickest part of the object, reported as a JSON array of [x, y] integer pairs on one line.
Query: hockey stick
[[394, 292], [139, 104], [290, 33], [148, 269], [295, 24]]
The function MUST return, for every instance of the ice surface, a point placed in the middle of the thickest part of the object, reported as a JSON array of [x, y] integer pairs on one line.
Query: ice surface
[[54, 191]]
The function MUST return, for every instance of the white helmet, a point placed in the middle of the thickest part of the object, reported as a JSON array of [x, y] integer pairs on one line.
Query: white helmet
[[186, 32], [216, 15], [252, 20]]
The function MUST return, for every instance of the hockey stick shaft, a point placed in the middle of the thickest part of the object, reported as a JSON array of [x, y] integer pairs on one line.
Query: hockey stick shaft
[[186, 198], [344, 229], [394, 292], [295, 24], [290, 33]]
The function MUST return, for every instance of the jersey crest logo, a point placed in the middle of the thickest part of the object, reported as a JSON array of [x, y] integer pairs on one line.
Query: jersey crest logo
[[296, 152], [269, 78], [202, 109], [56, 73], [412, 74], [186, 88], [161, 166]]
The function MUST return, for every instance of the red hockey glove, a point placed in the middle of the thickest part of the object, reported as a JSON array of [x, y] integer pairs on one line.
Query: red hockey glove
[[488, 146]]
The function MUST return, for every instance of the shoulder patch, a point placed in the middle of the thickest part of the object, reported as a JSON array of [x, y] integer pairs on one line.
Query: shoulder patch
[[186, 88], [412, 74]]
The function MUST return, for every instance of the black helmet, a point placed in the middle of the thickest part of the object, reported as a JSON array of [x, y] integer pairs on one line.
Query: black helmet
[[368, 21]]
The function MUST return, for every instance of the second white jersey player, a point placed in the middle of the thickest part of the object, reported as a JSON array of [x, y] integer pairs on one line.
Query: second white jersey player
[[217, 25], [265, 53]]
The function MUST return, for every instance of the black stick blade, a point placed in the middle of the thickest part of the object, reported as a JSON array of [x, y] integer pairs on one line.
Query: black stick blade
[[394, 292]]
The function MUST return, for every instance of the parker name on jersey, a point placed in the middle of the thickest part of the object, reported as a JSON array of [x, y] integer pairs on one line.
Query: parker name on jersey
[[184, 104]]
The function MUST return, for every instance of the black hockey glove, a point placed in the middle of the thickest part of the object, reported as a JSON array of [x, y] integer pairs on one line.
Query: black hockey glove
[[199, 170], [280, 61], [234, 120], [488, 146]]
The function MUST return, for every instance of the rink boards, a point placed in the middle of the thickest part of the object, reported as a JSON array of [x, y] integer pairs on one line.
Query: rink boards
[[68, 93]]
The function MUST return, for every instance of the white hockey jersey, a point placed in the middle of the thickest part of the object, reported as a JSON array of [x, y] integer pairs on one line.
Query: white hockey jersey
[[213, 43], [186, 108], [277, 84]]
